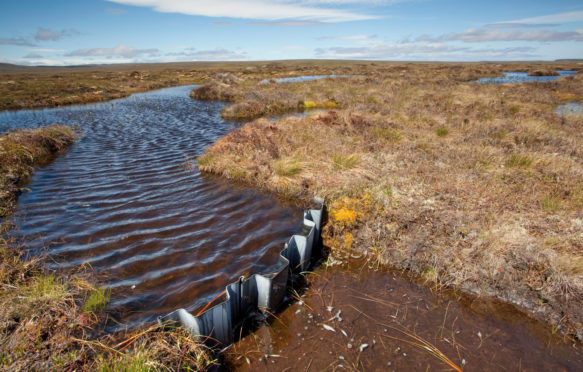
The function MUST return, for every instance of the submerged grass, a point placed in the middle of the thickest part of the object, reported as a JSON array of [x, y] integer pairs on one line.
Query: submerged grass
[[97, 300]]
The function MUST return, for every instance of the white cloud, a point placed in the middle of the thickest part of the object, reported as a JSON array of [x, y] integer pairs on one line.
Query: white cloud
[[483, 35], [44, 34], [347, 37], [289, 23], [123, 51], [566, 17], [48, 50], [323, 11], [18, 41], [431, 51], [63, 61], [520, 25], [219, 54], [33, 56]]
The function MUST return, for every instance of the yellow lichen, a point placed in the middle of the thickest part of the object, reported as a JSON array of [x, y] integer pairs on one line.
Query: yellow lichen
[[344, 215], [348, 238]]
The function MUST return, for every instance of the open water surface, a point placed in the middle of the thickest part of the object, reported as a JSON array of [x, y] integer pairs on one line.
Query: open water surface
[[128, 199], [571, 108], [522, 77], [355, 318]]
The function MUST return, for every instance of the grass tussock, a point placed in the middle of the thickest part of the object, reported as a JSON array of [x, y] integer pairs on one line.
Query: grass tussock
[[543, 73], [155, 349], [20, 150], [345, 161], [388, 134], [458, 211], [287, 167], [519, 161], [442, 132]]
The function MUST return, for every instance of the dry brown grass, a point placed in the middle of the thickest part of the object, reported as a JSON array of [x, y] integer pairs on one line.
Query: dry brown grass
[[476, 187], [20, 150]]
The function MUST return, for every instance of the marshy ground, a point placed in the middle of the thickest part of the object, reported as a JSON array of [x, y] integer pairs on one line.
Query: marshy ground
[[468, 186]]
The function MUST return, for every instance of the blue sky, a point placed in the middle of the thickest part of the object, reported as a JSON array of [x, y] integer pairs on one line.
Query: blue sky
[[62, 32]]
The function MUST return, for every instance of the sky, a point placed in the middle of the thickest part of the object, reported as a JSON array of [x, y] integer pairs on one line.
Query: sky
[[64, 32]]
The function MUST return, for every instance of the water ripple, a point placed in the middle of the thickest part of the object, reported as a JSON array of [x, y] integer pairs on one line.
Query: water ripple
[[123, 200]]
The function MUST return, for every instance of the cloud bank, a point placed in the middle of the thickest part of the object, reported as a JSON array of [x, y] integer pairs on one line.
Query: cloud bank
[[219, 54], [44, 34], [436, 51], [121, 50], [18, 41], [314, 10], [476, 35]]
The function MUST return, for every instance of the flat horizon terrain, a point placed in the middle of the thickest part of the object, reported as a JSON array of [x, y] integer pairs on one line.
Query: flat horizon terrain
[[469, 186]]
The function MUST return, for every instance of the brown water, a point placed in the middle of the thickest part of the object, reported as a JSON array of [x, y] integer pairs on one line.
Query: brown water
[[128, 200], [354, 318]]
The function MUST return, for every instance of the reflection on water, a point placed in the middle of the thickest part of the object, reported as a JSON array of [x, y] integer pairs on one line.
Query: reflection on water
[[522, 77], [129, 200], [300, 79]]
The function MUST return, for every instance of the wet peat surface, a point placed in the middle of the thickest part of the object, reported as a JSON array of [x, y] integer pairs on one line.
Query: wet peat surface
[[128, 202], [356, 318]]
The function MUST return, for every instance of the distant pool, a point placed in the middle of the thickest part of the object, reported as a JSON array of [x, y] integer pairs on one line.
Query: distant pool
[[299, 79], [522, 77], [570, 109]]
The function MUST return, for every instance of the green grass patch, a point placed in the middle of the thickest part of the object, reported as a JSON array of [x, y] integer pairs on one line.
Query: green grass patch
[[46, 288], [442, 132], [345, 161], [138, 361], [519, 161], [550, 204], [388, 134], [97, 300], [513, 109], [206, 160], [287, 167]]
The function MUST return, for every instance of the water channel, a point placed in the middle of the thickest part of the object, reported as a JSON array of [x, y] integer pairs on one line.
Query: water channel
[[128, 200]]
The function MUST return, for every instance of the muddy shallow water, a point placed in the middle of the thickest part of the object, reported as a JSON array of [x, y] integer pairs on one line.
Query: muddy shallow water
[[355, 318], [128, 200]]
